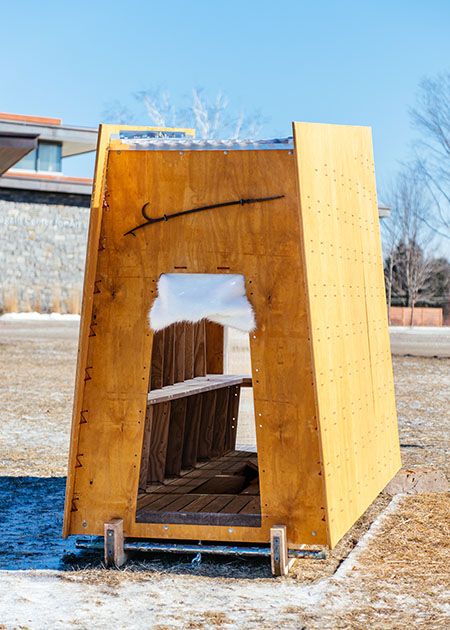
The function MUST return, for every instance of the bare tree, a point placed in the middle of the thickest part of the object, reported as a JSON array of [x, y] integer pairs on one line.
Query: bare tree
[[431, 118], [211, 118], [390, 234], [118, 113], [407, 240]]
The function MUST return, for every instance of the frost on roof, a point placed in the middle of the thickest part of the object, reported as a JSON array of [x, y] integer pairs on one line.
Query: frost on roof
[[141, 141]]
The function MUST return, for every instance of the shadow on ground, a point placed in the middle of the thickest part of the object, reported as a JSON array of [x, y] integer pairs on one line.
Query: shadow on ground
[[31, 515]]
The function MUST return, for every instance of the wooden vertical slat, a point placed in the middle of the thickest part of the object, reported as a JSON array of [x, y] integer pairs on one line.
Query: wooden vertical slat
[[158, 441], [189, 351], [176, 437], [214, 348], [220, 422], [180, 350], [200, 348], [232, 419], [145, 458], [191, 432], [207, 425], [169, 356], [157, 365]]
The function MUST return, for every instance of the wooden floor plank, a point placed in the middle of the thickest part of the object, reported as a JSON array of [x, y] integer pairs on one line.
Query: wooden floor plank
[[200, 502], [184, 502], [252, 489], [154, 500], [237, 504], [218, 503], [198, 518], [181, 501], [252, 507], [228, 463]]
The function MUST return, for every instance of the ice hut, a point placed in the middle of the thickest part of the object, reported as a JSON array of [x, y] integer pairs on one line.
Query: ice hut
[[280, 239]]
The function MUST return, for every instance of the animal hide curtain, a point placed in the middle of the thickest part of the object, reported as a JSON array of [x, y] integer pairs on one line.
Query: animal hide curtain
[[191, 297]]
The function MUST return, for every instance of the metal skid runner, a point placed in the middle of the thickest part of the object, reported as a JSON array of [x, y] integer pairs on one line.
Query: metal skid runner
[[116, 547]]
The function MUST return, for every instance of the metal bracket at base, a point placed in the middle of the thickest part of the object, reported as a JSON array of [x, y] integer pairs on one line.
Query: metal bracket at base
[[113, 543], [146, 546]]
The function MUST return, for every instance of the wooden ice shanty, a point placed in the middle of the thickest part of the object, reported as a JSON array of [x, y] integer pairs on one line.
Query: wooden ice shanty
[[154, 425]]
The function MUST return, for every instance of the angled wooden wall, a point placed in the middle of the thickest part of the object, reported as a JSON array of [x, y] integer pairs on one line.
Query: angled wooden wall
[[260, 241], [95, 244], [348, 318], [322, 378]]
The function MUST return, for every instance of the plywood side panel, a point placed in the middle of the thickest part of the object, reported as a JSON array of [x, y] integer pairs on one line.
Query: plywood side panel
[[260, 241], [96, 244], [357, 416]]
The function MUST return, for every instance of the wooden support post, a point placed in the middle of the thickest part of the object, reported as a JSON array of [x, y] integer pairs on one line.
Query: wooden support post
[[145, 458], [200, 348], [169, 356], [114, 552], [158, 442], [279, 550], [157, 366]]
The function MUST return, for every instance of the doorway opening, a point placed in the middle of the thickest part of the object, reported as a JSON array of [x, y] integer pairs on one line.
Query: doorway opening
[[192, 470]]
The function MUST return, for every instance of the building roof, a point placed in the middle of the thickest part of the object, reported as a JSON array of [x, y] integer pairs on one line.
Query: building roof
[[75, 140], [19, 135], [13, 147], [47, 182]]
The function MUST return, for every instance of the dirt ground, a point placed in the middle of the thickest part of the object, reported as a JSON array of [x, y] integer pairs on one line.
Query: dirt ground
[[389, 571]]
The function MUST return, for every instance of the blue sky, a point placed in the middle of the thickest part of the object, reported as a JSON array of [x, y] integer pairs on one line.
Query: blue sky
[[348, 61]]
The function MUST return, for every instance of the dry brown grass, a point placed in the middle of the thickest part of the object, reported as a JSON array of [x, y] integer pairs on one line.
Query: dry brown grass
[[394, 579]]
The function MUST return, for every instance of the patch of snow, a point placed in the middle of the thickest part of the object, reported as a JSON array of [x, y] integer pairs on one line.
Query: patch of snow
[[50, 599], [42, 317], [414, 330]]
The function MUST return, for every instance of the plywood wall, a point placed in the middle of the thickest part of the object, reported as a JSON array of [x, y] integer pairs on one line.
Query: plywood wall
[[323, 389], [260, 241], [347, 310]]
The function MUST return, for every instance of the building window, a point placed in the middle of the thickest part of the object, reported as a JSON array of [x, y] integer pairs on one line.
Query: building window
[[28, 162], [47, 157]]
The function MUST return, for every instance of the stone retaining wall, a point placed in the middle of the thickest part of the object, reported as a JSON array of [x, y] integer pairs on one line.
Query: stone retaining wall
[[42, 250]]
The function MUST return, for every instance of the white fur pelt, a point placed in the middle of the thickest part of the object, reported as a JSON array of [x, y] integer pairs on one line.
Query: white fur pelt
[[192, 297]]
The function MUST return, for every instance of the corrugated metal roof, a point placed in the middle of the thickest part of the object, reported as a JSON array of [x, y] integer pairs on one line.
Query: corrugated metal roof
[[141, 141]]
